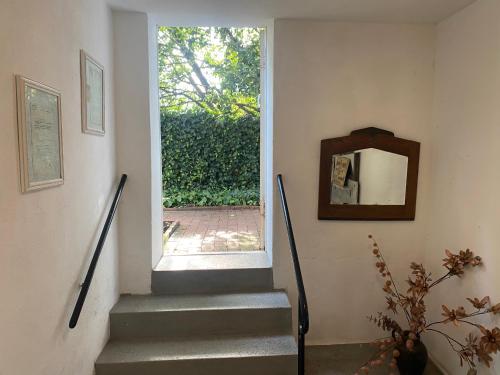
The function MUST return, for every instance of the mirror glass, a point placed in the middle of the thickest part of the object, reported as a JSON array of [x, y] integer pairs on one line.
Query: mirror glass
[[368, 177]]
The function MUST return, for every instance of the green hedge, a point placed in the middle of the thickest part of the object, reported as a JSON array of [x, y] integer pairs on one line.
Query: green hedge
[[235, 197], [208, 160]]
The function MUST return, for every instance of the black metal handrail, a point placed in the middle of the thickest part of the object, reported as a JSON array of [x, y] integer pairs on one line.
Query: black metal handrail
[[303, 309], [93, 263]]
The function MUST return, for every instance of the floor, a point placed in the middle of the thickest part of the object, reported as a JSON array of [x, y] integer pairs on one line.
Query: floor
[[346, 360], [213, 230], [215, 261]]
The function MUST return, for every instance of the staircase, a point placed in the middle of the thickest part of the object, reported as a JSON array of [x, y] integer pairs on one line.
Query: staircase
[[208, 314]]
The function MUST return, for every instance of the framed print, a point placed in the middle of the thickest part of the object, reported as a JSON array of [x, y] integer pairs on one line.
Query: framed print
[[92, 87], [40, 135]]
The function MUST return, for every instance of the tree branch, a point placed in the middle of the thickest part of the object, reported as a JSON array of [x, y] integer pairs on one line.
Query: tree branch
[[251, 110]]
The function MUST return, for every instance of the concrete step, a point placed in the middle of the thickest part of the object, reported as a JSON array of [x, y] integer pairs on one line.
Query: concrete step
[[214, 273], [201, 315], [264, 355], [212, 281]]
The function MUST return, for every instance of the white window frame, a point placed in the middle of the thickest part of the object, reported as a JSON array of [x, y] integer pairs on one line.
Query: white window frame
[[266, 130]]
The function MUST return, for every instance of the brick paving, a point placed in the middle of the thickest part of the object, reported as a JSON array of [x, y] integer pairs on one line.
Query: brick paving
[[214, 230]]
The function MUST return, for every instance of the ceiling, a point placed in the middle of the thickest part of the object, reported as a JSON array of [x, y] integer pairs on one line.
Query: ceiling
[[241, 11]]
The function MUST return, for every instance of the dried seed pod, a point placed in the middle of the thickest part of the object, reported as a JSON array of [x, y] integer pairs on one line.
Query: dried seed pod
[[410, 344]]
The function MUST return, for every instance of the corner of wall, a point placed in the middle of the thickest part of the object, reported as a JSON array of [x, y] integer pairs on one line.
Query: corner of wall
[[155, 134], [134, 144]]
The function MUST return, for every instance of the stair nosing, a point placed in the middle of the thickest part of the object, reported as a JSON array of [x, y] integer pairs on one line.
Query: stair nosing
[[234, 308], [284, 304], [290, 349]]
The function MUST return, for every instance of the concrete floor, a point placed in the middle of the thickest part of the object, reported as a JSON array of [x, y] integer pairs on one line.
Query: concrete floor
[[346, 360]]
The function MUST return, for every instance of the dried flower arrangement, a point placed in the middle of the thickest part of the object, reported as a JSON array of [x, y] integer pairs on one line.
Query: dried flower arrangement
[[477, 347]]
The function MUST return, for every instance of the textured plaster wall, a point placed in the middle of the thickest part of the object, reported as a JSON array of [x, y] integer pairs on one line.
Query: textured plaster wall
[[46, 237], [465, 174], [331, 78]]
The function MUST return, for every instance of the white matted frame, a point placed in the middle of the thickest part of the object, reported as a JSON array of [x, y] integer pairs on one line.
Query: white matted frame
[[92, 94], [40, 135]]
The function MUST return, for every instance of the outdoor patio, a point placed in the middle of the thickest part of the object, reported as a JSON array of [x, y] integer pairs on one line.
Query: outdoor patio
[[213, 230]]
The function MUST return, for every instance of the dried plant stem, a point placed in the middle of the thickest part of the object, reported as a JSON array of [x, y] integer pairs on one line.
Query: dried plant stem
[[462, 320], [451, 340], [407, 315], [480, 312], [471, 323], [441, 279], [423, 294], [434, 323], [412, 304]]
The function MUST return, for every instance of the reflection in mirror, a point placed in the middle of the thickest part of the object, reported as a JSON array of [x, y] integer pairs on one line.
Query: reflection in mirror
[[368, 177]]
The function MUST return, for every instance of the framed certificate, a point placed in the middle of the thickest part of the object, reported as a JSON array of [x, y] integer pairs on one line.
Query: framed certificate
[[92, 92], [40, 135]]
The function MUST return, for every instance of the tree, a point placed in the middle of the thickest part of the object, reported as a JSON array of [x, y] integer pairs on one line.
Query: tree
[[210, 69]]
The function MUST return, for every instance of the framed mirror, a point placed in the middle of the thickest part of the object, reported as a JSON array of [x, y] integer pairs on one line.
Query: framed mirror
[[368, 175]]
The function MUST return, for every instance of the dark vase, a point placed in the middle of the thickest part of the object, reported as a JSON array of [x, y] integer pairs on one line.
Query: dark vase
[[411, 362]]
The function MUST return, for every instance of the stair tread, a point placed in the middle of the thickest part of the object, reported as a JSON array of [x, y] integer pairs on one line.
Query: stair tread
[[203, 302], [214, 262], [131, 351]]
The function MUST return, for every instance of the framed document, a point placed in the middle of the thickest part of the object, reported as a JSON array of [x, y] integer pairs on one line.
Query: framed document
[[92, 87], [40, 135]]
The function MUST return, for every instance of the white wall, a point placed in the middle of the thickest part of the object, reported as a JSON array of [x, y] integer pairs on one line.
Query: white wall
[[156, 227], [138, 142], [134, 149], [466, 149], [331, 78], [46, 237]]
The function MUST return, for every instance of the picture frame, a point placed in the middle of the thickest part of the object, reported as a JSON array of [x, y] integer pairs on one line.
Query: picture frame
[[361, 139], [39, 134], [92, 95]]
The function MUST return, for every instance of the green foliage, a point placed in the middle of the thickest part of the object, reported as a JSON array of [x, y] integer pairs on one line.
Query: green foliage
[[210, 69], [209, 80], [235, 197], [210, 160]]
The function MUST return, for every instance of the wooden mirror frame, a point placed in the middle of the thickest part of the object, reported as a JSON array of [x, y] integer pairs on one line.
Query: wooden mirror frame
[[358, 140]]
